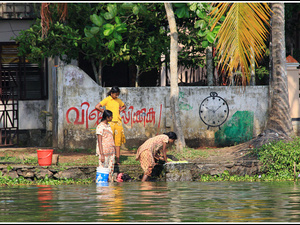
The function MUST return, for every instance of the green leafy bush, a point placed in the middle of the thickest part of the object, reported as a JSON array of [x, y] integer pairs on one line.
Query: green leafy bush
[[278, 158]]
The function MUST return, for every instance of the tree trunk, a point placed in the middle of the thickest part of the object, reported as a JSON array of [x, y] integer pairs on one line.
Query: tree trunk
[[137, 76], [252, 68], [97, 73], [100, 72], [279, 124], [174, 89], [209, 66]]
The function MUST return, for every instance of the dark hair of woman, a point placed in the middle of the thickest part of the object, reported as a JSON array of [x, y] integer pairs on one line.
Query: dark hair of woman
[[114, 89], [171, 135], [106, 114]]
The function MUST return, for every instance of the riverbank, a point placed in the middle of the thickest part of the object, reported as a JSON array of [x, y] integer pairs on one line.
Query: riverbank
[[82, 164]]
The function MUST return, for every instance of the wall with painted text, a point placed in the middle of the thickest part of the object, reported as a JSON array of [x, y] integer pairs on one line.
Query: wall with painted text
[[210, 116]]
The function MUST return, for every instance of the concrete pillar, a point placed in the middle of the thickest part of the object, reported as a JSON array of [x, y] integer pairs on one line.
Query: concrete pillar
[[60, 106], [293, 89]]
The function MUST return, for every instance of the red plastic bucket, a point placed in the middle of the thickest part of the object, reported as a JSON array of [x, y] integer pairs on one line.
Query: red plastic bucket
[[45, 157]]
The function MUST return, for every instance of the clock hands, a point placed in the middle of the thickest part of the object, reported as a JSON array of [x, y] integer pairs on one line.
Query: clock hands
[[213, 110], [217, 109], [208, 109]]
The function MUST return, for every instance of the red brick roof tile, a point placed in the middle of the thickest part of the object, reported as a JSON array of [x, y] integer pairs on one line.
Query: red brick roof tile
[[290, 59]]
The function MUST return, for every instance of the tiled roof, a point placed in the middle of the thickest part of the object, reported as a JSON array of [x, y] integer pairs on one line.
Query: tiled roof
[[290, 59]]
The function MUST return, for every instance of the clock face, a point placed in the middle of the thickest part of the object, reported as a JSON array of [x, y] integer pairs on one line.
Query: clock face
[[214, 110]]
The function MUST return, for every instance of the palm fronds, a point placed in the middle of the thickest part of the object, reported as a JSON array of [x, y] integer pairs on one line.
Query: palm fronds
[[243, 32]]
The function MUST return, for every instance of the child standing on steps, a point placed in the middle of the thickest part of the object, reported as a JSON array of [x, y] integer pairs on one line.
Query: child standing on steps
[[105, 144]]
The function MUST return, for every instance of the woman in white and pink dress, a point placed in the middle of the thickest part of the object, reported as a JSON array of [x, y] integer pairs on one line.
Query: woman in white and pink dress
[[106, 148]]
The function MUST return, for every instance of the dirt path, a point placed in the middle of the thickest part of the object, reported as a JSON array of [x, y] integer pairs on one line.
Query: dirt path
[[216, 155], [238, 152]]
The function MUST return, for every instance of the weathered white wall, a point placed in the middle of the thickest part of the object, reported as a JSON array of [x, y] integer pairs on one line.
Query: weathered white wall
[[77, 96], [148, 110], [31, 114]]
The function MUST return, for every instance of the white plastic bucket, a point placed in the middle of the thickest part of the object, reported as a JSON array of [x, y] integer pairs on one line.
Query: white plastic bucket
[[102, 175]]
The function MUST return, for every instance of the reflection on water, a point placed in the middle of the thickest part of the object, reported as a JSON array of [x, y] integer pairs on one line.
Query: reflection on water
[[110, 202], [153, 202], [45, 194]]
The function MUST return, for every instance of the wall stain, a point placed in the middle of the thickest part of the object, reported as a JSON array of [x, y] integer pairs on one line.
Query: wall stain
[[238, 129], [182, 102]]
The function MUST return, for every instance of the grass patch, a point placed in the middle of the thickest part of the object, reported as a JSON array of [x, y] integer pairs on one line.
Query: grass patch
[[17, 160], [186, 154], [133, 149], [88, 160], [30, 160], [189, 153], [10, 159], [92, 160], [128, 160], [77, 150]]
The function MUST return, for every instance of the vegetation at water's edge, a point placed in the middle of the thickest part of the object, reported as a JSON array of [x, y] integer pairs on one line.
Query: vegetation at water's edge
[[256, 178], [280, 162], [8, 181]]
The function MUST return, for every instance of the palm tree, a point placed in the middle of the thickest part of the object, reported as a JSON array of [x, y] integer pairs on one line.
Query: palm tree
[[242, 33], [279, 124]]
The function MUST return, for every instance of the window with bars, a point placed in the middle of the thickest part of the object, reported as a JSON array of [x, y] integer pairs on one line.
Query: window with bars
[[28, 80], [18, 10]]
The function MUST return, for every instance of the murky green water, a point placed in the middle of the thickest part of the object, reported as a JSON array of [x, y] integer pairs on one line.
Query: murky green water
[[153, 202]]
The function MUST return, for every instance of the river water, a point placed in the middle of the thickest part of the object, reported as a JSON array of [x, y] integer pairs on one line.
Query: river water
[[153, 202]]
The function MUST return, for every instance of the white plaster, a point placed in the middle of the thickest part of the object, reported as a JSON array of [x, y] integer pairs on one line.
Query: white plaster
[[80, 92], [30, 114]]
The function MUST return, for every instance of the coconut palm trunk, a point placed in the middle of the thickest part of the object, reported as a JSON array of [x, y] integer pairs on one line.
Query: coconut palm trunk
[[174, 89], [279, 124]]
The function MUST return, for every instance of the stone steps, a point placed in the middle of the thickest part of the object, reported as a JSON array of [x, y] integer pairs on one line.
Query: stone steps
[[167, 172]]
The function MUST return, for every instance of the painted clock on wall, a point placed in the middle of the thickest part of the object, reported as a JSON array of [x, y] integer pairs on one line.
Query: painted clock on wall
[[213, 110]]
